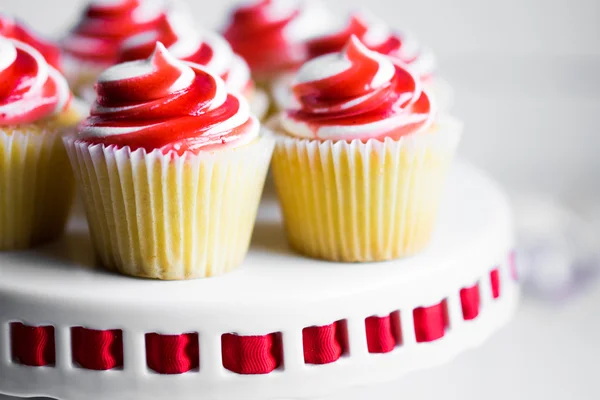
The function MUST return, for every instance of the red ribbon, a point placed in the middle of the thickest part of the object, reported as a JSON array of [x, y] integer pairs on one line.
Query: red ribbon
[[97, 350], [323, 344], [470, 301], [33, 346], [383, 333], [248, 355], [172, 354], [495, 279], [251, 355], [430, 322]]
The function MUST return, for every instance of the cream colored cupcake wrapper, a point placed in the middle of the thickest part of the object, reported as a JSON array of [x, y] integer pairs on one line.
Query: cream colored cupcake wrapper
[[168, 216], [36, 187], [363, 201]]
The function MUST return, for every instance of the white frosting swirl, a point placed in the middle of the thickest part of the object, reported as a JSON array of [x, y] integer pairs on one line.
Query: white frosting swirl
[[313, 20], [356, 94], [189, 40], [422, 60], [41, 93], [133, 98]]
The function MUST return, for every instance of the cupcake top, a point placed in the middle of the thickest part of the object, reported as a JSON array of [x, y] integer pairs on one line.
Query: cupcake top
[[183, 41], [14, 29], [379, 37], [271, 35], [30, 89], [167, 104], [105, 24], [357, 94]]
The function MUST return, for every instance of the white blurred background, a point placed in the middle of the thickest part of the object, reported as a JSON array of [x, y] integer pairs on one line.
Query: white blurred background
[[527, 79], [525, 73]]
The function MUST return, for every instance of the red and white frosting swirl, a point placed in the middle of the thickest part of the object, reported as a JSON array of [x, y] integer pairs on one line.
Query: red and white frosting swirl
[[13, 29], [271, 35], [30, 89], [167, 104], [377, 36], [97, 38], [357, 94], [183, 41]]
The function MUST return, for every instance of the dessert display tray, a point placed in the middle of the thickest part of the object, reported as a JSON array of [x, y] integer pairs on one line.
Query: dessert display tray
[[282, 326]]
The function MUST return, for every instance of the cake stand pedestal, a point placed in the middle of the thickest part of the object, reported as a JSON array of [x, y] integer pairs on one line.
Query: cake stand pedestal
[[282, 326]]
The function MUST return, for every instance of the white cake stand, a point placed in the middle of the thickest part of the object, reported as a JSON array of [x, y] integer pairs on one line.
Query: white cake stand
[[276, 292]]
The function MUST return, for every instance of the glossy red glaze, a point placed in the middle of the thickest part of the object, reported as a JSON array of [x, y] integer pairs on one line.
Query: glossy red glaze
[[103, 29], [22, 81], [349, 97], [14, 29], [152, 116], [259, 37]]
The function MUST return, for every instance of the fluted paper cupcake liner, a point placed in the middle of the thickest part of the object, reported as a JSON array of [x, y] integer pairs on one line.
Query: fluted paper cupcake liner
[[358, 201], [167, 216], [36, 186]]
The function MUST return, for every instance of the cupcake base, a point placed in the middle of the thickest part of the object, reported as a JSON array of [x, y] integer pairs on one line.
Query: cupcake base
[[36, 186], [166, 216], [359, 202]]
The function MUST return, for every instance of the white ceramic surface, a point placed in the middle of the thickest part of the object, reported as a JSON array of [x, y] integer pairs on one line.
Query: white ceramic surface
[[275, 291]]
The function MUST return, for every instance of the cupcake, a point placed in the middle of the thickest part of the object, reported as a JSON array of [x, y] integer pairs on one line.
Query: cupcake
[[170, 167], [94, 43], [271, 35], [376, 36], [36, 182], [14, 29], [209, 49], [359, 167]]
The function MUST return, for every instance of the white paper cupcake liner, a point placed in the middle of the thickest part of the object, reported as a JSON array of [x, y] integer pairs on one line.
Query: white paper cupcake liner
[[36, 187], [358, 201], [169, 216]]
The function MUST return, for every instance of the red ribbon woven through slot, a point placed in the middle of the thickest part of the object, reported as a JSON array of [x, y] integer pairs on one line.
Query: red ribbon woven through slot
[[430, 322], [495, 279], [251, 355], [172, 354], [469, 299], [33, 346], [97, 350], [323, 344], [383, 333]]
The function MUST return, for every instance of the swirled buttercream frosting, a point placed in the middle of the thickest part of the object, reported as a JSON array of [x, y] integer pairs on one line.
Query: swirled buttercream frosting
[[377, 36], [105, 24], [30, 89], [271, 35], [209, 49], [357, 94], [14, 29], [167, 104]]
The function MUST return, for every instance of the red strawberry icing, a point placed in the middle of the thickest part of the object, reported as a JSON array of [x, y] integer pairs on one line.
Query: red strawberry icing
[[167, 104]]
